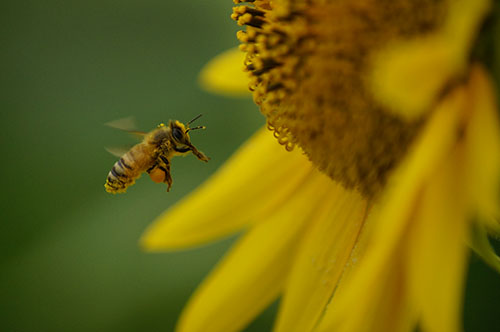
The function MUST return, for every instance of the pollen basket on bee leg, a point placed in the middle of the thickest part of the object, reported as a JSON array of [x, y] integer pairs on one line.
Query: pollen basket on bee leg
[[157, 175]]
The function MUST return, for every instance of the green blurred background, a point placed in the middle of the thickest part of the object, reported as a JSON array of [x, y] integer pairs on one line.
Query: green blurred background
[[69, 256]]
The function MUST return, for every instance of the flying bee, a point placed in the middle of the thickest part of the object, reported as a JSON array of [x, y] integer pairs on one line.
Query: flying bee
[[153, 156]]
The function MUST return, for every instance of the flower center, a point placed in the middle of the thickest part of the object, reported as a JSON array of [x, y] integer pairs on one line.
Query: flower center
[[308, 62]]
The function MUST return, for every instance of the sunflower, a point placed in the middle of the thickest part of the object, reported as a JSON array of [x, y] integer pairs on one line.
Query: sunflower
[[386, 171]]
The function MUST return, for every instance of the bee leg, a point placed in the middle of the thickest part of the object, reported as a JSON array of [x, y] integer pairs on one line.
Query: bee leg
[[164, 165], [200, 155], [168, 179]]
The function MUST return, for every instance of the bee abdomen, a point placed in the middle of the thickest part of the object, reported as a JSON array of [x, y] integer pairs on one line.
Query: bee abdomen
[[121, 176]]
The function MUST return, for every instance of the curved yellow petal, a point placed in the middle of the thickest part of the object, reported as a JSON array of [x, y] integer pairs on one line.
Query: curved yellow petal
[[482, 164], [253, 273], [321, 259], [409, 75], [436, 248], [260, 171], [380, 305], [224, 74], [363, 290], [482, 148]]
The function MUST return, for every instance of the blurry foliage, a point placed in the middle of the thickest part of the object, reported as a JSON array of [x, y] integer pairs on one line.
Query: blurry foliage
[[69, 258]]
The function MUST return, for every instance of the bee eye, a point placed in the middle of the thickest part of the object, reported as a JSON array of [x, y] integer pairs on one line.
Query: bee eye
[[177, 133]]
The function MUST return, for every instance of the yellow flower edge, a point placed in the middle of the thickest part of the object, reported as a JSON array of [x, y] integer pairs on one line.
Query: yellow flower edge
[[224, 74]]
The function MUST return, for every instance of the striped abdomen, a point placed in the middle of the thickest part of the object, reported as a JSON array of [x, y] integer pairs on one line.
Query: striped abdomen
[[127, 169]]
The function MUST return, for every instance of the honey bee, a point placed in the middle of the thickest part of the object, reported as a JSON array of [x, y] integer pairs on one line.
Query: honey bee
[[153, 156]]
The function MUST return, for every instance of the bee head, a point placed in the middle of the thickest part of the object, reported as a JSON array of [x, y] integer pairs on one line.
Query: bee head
[[180, 132], [180, 136]]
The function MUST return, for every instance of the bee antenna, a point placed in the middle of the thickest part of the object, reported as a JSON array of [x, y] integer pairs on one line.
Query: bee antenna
[[194, 128], [196, 118]]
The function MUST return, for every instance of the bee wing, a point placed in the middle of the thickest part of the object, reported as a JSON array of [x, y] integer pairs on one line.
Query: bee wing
[[118, 151], [128, 125]]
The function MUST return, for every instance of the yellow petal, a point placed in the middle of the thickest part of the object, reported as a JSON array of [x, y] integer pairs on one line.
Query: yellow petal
[[482, 149], [370, 297], [363, 289], [253, 273], [321, 259], [257, 178], [409, 75], [380, 304], [482, 144], [224, 74], [436, 248]]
